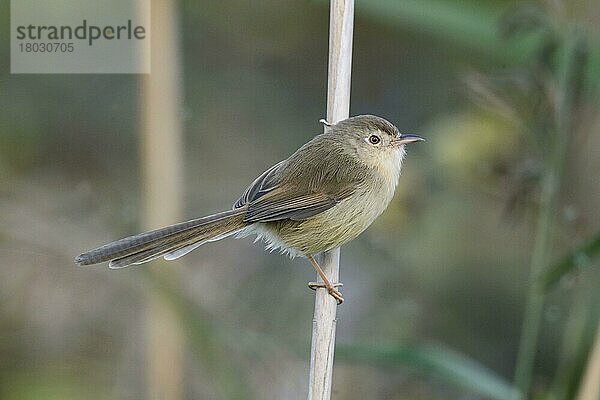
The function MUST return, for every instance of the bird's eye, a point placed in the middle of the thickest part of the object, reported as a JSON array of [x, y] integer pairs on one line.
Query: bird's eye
[[374, 139]]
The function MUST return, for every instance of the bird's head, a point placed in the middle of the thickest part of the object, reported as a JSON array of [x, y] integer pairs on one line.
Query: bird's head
[[374, 140]]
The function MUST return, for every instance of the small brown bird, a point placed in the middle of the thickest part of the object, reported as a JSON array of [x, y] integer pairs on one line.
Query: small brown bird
[[321, 197]]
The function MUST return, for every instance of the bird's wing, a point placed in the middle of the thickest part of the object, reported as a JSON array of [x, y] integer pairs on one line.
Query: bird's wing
[[290, 190], [262, 185], [282, 203]]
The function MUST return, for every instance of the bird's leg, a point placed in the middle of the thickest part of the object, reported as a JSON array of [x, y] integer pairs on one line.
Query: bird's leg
[[331, 288]]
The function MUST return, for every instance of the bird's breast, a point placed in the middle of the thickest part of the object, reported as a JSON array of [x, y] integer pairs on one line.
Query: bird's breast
[[334, 227]]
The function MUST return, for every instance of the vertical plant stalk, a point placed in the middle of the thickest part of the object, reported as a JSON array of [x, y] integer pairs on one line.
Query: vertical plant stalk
[[576, 344], [161, 158], [590, 385], [550, 189], [341, 21]]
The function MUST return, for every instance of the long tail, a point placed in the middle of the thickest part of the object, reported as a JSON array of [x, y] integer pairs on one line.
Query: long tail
[[171, 242]]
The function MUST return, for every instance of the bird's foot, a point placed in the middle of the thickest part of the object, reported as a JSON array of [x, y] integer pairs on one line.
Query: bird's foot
[[331, 289]]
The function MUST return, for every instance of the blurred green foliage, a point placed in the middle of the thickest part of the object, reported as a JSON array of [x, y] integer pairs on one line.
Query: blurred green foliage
[[581, 257], [433, 361]]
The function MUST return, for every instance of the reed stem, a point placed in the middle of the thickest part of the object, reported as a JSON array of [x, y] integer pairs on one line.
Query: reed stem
[[338, 108], [551, 182]]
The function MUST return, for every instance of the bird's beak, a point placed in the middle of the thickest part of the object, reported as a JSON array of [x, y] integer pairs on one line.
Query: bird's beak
[[405, 138]]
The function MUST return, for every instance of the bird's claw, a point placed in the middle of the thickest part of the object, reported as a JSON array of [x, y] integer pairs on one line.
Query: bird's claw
[[331, 289], [316, 285]]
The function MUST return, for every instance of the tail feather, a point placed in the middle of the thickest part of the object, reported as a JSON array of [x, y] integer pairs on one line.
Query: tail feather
[[147, 246], [169, 251], [185, 249], [153, 253]]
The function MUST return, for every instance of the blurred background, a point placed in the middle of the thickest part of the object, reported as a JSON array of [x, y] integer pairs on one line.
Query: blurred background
[[479, 281]]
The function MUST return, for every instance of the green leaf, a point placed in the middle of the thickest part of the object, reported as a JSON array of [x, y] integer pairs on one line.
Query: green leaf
[[579, 258], [438, 361]]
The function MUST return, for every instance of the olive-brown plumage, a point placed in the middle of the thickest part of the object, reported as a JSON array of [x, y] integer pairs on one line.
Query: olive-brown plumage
[[324, 195]]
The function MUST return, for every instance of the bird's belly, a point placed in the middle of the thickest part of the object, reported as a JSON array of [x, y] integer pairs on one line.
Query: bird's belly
[[332, 228]]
